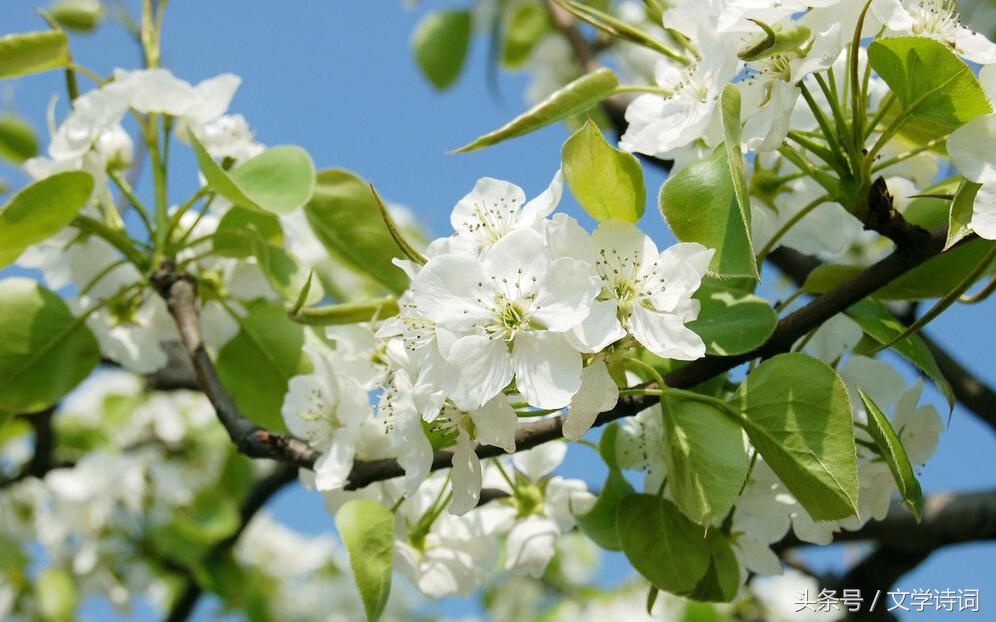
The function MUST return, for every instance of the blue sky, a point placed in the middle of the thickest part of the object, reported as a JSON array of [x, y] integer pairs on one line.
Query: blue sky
[[338, 78]]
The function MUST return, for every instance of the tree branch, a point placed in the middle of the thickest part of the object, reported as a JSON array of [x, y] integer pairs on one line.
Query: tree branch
[[41, 461], [179, 291]]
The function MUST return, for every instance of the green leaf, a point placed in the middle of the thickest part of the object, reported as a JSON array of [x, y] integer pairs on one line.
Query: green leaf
[[241, 230], [607, 446], [732, 321], [56, 595], [44, 350], [32, 52], [961, 212], [41, 210], [707, 202], [891, 449], [256, 364], [706, 457], [599, 523], [578, 96], [367, 529], [344, 216], [607, 182], [937, 89], [78, 15], [440, 43], [279, 180], [873, 318], [721, 581], [17, 139], [347, 313], [209, 518], [662, 544], [526, 25], [798, 416]]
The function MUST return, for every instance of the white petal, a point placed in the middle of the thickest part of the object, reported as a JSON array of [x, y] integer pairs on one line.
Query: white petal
[[488, 211], [540, 461], [547, 369], [598, 393], [483, 368], [984, 212], [540, 207], [565, 294], [974, 46], [600, 329], [467, 476], [214, 95], [972, 147], [530, 546], [515, 259], [496, 422], [665, 335], [446, 290], [333, 467]]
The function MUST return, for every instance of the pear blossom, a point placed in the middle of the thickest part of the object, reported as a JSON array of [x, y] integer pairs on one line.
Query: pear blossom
[[645, 292], [937, 19], [327, 409], [503, 316]]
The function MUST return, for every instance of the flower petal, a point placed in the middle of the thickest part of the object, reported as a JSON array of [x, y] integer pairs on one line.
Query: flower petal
[[598, 393], [547, 369]]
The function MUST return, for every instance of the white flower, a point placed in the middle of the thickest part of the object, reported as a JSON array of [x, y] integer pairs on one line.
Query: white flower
[[505, 315], [649, 293], [598, 393], [937, 19], [972, 148], [495, 207], [326, 409]]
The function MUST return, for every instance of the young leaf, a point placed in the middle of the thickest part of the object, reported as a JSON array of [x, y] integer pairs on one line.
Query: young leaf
[[17, 139], [44, 350], [257, 363], [279, 180], [41, 210], [78, 15], [937, 89], [706, 459], [599, 523], [32, 52], [578, 96], [241, 230], [662, 544], [798, 416], [874, 318], [721, 581], [961, 212], [367, 529], [892, 451], [343, 214], [607, 182], [440, 43], [707, 202], [526, 25], [56, 595], [347, 313], [732, 321]]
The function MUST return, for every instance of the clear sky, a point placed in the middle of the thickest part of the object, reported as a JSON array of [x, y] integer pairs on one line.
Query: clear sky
[[338, 78]]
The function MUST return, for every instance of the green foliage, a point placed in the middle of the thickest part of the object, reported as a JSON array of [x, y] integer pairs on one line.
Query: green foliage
[[797, 414], [732, 321], [707, 202], [343, 214], [960, 213], [662, 543], [874, 318], [574, 98], [607, 182], [279, 180], [599, 523], [706, 457], [41, 210], [721, 580], [32, 52], [56, 595], [257, 363], [938, 91], [890, 448], [17, 139], [46, 350], [526, 25], [440, 43], [78, 15], [367, 529]]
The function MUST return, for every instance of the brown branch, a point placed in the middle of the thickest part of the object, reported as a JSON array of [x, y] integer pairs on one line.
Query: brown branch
[[969, 390], [901, 544], [179, 291], [42, 460]]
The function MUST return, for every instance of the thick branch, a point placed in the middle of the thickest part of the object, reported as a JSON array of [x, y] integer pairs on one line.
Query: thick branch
[[179, 292]]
